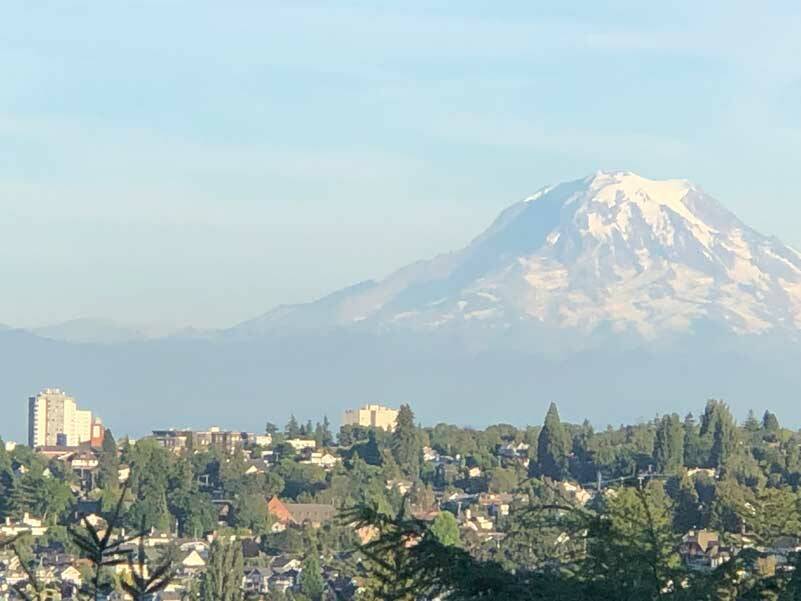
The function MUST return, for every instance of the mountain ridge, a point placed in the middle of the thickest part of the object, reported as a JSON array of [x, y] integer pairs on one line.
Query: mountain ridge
[[591, 293], [655, 256]]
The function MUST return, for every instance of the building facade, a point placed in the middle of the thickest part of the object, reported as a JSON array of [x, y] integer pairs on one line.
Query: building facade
[[371, 416], [192, 440], [54, 419]]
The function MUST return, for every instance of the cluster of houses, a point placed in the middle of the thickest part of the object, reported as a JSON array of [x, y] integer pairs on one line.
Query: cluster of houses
[[479, 514], [65, 573]]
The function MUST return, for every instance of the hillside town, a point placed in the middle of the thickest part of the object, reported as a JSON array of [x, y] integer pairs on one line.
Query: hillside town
[[270, 514]]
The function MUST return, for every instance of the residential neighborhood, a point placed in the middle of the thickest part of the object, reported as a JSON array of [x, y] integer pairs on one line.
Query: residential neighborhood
[[279, 515]]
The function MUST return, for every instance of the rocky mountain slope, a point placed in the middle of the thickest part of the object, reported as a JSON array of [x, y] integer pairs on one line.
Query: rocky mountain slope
[[612, 251]]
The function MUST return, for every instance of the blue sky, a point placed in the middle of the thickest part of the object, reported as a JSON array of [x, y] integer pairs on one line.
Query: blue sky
[[200, 162]]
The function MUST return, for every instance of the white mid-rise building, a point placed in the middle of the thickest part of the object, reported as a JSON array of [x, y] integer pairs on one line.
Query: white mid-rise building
[[371, 416], [54, 419]]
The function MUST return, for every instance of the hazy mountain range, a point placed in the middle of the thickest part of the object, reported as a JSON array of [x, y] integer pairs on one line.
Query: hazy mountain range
[[614, 295]]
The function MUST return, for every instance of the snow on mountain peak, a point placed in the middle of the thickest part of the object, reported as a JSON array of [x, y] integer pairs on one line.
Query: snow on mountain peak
[[612, 250]]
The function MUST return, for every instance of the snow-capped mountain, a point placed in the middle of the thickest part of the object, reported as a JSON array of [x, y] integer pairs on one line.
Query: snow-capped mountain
[[610, 251]]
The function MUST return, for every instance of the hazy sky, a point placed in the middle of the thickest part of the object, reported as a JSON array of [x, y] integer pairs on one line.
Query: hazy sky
[[200, 162]]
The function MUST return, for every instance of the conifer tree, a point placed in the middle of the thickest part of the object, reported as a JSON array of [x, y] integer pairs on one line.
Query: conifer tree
[[669, 444], [722, 445], [770, 422], [108, 464], [406, 447], [292, 429], [311, 579], [223, 578], [751, 423], [553, 447]]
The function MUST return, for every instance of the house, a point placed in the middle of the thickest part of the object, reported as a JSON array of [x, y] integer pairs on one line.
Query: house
[[279, 510], [324, 459], [27, 524], [702, 550], [192, 562], [402, 486], [284, 581], [299, 444], [284, 564], [255, 466], [257, 580], [315, 514], [123, 473], [576, 492], [513, 450], [199, 545], [496, 503], [474, 472], [701, 471], [72, 575], [430, 455]]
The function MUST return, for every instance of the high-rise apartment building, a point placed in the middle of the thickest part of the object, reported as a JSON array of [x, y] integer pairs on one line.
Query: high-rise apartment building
[[54, 419], [371, 416]]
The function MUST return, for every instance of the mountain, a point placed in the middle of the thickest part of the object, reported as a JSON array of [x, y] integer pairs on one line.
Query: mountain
[[614, 295], [87, 330], [613, 252], [104, 331]]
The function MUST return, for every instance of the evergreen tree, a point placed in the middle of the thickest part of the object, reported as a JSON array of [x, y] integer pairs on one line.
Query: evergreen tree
[[405, 445], [723, 444], [369, 450], [633, 552], [717, 432], [150, 469], [108, 464], [328, 437], [311, 579], [192, 509], [553, 446], [292, 428], [693, 454], [770, 422], [687, 509], [669, 444], [751, 423], [223, 578], [6, 479]]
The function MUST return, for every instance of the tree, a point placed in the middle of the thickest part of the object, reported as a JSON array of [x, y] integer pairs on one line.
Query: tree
[[770, 422], [633, 549], [328, 437], [108, 464], [693, 448], [502, 480], [723, 444], [445, 529], [687, 505], [405, 445], [669, 444], [751, 423], [223, 578], [192, 509], [150, 468], [311, 579], [369, 450], [553, 446], [270, 428], [292, 428]]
